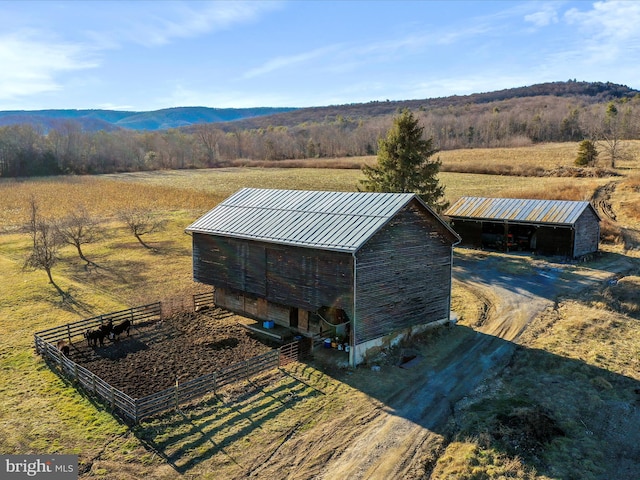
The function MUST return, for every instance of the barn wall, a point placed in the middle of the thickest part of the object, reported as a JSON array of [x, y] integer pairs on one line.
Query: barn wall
[[253, 307], [403, 276], [587, 233], [298, 277]]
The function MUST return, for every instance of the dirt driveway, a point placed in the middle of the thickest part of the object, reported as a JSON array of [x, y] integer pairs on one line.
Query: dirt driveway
[[395, 442]]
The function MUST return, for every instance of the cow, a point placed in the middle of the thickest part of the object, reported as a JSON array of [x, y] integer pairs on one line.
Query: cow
[[123, 326], [63, 347], [98, 334], [106, 329], [93, 337]]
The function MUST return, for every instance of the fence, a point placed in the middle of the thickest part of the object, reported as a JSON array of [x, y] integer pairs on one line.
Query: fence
[[135, 409], [203, 300], [70, 331]]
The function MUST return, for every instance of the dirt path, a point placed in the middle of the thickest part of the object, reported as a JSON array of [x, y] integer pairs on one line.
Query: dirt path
[[602, 199], [388, 446]]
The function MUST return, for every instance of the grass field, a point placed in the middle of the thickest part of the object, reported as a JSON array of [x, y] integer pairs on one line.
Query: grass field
[[39, 412]]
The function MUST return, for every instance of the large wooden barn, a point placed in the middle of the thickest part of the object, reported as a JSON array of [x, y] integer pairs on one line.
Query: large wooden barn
[[549, 227], [368, 267]]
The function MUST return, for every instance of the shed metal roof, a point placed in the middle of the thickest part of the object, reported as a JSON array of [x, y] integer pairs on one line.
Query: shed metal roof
[[556, 212], [341, 221]]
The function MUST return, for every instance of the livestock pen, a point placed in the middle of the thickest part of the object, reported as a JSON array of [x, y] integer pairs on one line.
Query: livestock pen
[[133, 408]]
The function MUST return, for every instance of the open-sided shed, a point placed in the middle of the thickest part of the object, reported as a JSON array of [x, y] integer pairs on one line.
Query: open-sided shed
[[550, 227], [368, 267]]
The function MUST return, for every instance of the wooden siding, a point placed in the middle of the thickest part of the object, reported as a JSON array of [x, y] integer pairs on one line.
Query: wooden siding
[[403, 276], [293, 276], [587, 233]]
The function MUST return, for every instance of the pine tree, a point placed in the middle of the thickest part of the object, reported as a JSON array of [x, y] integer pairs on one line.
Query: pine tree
[[587, 154], [405, 165]]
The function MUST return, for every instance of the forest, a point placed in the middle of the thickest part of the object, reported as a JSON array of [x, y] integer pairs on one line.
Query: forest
[[556, 112]]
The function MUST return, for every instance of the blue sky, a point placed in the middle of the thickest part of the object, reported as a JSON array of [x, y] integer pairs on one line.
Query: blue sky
[[147, 55]]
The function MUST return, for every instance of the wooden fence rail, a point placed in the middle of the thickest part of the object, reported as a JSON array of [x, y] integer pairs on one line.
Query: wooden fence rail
[[136, 409], [70, 331], [205, 299], [190, 390]]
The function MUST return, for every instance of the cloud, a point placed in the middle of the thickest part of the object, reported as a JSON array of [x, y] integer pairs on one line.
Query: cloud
[[544, 17], [279, 63], [170, 21], [30, 63], [608, 33]]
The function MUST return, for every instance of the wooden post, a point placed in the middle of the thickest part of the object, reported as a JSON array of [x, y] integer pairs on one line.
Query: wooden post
[[93, 381], [69, 333], [113, 399], [177, 392]]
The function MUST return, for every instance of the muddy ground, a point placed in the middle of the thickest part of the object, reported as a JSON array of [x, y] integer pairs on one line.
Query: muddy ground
[[183, 346]]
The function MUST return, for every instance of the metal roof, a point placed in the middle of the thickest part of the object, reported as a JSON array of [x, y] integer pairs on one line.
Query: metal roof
[[557, 212], [341, 221]]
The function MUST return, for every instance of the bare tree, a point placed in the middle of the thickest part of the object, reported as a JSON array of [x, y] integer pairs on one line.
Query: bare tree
[[611, 134], [209, 137], [44, 251], [142, 222], [78, 229]]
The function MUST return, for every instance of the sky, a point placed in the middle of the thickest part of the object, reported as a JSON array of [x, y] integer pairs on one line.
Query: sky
[[149, 55]]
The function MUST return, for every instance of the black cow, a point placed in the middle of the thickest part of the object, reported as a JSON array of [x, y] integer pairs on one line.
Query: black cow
[[98, 335], [106, 329], [94, 336], [123, 326]]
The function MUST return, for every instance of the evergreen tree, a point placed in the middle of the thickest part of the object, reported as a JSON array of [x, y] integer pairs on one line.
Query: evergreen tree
[[405, 164], [587, 154]]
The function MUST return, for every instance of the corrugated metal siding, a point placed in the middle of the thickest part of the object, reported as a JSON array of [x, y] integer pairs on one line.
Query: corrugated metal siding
[[560, 212], [331, 220]]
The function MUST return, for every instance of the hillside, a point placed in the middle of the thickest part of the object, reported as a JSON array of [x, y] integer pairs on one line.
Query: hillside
[[109, 120], [583, 93], [580, 92]]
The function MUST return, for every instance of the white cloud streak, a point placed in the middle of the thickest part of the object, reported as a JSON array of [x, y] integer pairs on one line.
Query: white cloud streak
[[284, 62], [609, 29], [30, 63], [544, 17], [182, 20]]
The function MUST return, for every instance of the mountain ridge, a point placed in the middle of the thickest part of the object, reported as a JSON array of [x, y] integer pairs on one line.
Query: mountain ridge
[[262, 117]]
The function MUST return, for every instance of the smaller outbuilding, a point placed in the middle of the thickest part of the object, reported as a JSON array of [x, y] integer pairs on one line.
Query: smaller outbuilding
[[548, 227]]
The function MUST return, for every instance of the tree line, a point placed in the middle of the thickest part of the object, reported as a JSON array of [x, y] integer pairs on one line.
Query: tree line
[[27, 150]]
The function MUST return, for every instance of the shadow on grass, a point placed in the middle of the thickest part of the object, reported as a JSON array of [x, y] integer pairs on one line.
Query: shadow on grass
[[199, 431]]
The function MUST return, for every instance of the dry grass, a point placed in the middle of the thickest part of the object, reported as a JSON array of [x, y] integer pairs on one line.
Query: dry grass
[[469, 460], [41, 413], [58, 196], [532, 160]]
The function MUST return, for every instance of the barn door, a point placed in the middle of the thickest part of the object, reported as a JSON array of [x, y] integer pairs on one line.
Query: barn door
[[293, 317]]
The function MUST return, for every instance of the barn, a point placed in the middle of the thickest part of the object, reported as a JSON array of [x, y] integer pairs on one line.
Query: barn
[[549, 227], [368, 268]]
